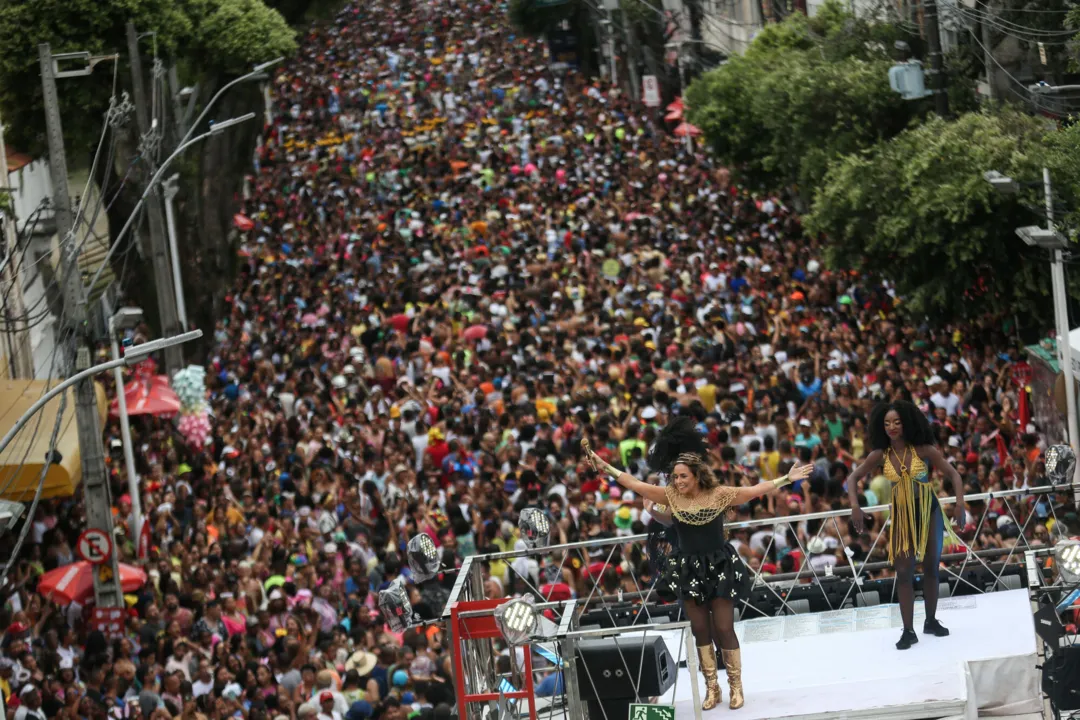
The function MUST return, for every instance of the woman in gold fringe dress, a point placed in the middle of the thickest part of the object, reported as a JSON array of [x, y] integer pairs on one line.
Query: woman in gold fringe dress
[[904, 448], [705, 571]]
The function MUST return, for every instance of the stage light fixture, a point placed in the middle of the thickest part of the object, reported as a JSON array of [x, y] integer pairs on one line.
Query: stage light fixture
[[535, 527], [423, 557], [1060, 464], [395, 606], [1067, 559], [517, 620]]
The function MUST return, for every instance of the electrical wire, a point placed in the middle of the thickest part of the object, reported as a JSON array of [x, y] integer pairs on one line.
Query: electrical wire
[[28, 518]]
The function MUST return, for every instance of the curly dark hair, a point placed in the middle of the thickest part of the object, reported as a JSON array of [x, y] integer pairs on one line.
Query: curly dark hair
[[916, 427]]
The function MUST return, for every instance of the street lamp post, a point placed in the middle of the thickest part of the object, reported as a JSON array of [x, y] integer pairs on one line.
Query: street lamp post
[[259, 69], [1052, 240], [169, 188], [216, 129], [126, 318], [134, 354]]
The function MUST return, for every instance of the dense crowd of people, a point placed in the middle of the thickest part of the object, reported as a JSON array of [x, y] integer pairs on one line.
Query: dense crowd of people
[[461, 264]]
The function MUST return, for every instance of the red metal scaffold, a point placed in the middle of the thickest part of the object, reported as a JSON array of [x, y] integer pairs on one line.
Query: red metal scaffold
[[483, 627]]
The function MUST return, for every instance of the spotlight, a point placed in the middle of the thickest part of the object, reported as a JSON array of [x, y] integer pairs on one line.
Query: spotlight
[[395, 606], [517, 620], [423, 557], [535, 527], [1060, 464], [1067, 558]]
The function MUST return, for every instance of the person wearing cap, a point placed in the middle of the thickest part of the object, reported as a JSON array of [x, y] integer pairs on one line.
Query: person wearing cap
[[29, 704], [327, 709]]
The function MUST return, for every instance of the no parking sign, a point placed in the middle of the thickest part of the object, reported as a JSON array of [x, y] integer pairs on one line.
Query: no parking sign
[[94, 546]]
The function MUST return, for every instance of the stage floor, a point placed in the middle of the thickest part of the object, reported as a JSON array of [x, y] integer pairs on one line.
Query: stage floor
[[845, 664]]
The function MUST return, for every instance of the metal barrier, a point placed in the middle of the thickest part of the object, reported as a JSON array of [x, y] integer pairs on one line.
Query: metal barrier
[[769, 591]]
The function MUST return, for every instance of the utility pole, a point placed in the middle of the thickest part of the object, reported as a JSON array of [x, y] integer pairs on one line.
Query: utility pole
[[107, 592], [988, 51], [159, 251], [18, 332], [169, 187], [630, 56], [1061, 318], [693, 58], [937, 69]]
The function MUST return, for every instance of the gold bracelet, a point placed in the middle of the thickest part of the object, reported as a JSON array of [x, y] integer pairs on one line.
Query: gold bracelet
[[610, 469], [782, 481]]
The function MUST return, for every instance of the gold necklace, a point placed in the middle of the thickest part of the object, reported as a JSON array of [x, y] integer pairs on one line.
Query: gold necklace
[[903, 467]]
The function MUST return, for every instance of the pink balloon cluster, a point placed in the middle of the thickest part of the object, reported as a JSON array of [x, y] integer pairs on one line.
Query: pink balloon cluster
[[196, 429]]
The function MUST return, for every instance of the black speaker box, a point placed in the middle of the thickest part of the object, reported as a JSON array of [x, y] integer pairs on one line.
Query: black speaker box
[[608, 669], [1061, 678]]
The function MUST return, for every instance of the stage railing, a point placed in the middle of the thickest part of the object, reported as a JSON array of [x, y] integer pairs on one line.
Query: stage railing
[[838, 586], [470, 585]]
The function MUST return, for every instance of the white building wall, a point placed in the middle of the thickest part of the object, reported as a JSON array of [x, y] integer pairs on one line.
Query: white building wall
[[29, 186]]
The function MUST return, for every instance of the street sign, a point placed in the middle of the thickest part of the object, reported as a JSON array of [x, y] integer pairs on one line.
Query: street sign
[[651, 712], [110, 621], [650, 90], [94, 546]]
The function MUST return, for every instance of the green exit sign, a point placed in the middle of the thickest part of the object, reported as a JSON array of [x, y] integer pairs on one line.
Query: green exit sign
[[652, 712]]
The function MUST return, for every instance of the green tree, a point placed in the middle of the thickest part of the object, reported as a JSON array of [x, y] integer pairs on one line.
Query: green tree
[[806, 91], [917, 209], [209, 42]]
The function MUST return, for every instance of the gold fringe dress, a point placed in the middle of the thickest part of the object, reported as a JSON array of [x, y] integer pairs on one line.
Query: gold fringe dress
[[912, 507]]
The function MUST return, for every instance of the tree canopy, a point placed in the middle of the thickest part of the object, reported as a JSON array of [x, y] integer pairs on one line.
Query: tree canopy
[[806, 91], [206, 37], [917, 209]]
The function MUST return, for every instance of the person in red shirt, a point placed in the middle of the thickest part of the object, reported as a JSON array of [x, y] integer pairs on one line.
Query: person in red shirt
[[437, 447]]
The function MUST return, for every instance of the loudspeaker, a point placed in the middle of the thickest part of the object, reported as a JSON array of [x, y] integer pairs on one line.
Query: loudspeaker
[[1048, 625], [607, 670], [1061, 678]]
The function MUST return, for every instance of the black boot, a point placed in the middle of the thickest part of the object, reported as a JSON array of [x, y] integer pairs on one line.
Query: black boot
[[932, 627], [908, 639]]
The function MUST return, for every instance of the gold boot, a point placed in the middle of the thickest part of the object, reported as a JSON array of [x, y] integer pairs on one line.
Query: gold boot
[[707, 658], [733, 663]]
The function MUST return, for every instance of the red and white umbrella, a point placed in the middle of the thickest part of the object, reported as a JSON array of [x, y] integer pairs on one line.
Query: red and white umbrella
[[242, 222], [687, 130], [148, 395], [75, 583]]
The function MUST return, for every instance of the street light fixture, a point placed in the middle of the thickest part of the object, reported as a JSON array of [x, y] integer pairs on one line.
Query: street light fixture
[[217, 129], [1050, 239], [127, 318], [258, 73], [1002, 183], [10, 512], [135, 354]]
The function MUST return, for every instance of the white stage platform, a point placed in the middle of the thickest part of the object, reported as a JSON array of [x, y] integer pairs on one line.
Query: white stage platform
[[845, 664]]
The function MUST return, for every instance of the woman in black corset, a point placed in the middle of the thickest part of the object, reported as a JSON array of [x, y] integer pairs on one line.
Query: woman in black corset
[[705, 571]]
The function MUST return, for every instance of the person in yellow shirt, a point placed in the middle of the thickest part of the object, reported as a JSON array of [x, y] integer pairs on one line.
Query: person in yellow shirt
[[707, 395], [6, 667], [769, 460]]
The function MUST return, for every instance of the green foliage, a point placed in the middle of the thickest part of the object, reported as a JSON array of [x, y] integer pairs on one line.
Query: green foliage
[[805, 92], [94, 26], [918, 210], [211, 37], [239, 33]]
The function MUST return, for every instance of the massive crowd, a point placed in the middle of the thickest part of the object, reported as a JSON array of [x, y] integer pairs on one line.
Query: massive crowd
[[462, 263]]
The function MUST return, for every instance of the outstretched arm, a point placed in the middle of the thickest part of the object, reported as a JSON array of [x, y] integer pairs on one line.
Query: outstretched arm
[[650, 492]]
